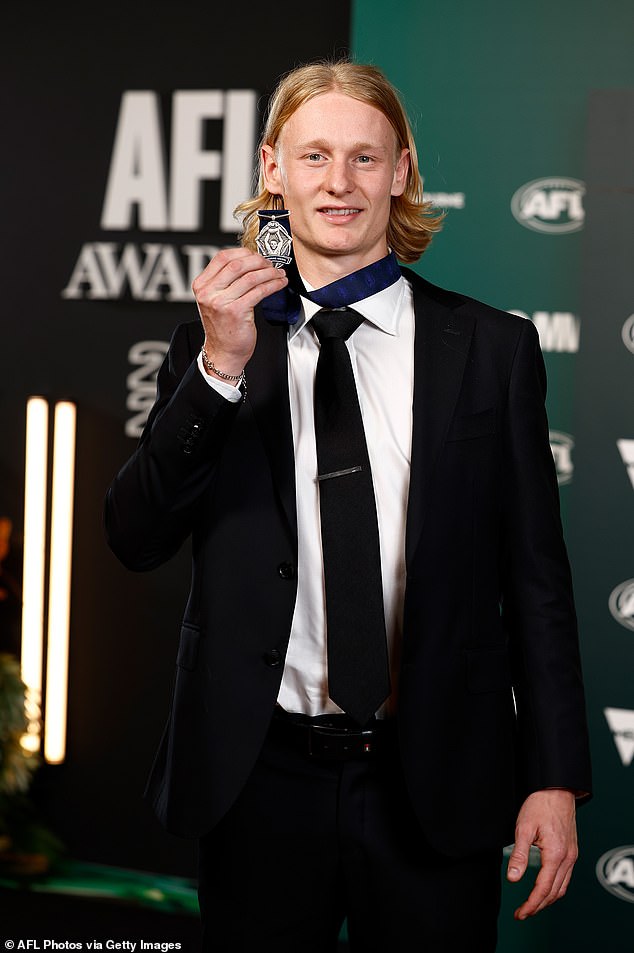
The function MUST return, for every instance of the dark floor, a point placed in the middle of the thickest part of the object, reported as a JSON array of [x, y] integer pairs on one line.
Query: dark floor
[[25, 915], [28, 916]]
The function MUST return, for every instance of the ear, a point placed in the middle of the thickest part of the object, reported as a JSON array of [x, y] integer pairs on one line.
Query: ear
[[400, 173], [271, 171]]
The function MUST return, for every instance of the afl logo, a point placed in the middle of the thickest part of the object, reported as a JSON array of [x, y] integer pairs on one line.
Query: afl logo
[[550, 205], [561, 445], [628, 333], [621, 603], [615, 872]]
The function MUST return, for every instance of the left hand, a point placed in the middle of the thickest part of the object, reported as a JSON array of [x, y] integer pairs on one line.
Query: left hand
[[547, 820]]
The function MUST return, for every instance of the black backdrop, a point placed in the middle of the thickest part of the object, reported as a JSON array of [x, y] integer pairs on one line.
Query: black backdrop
[[64, 75]]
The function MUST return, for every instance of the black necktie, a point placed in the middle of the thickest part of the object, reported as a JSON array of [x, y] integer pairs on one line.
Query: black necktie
[[358, 668]]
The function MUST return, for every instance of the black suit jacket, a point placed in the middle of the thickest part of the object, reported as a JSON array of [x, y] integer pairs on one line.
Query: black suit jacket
[[491, 702]]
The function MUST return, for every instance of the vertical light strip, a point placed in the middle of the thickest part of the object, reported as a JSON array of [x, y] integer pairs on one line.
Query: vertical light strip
[[59, 582], [35, 480]]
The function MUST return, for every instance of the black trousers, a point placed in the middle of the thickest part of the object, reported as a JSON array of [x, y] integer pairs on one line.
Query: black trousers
[[310, 842]]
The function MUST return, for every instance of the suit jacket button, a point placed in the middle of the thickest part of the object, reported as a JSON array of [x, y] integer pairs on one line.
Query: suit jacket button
[[286, 570], [273, 658]]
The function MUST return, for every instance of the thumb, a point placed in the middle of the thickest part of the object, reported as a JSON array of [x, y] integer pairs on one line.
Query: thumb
[[518, 861]]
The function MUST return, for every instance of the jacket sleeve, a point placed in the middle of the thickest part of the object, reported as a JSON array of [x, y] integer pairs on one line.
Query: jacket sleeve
[[151, 505], [537, 597]]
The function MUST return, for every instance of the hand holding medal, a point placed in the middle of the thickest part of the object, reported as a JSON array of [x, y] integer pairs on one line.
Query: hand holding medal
[[234, 282]]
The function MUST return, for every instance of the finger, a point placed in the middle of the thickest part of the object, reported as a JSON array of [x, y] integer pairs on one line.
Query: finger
[[533, 902], [256, 284], [565, 884], [247, 288], [239, 298], [224, 307], [560, 883], [227, 266], [518, 861], [220, 260], [251, 271], [550, 879]]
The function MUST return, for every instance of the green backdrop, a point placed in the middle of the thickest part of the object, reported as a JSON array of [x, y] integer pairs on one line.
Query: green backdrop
[[524, 121]]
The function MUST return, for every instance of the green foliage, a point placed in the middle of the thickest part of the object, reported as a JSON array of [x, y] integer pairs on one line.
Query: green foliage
[[16, 764], [27, 847]]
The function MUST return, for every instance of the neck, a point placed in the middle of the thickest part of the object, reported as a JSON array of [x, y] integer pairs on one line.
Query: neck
[[320, 271]]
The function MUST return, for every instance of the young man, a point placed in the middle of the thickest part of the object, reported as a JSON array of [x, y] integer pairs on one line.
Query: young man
[[385, 792]]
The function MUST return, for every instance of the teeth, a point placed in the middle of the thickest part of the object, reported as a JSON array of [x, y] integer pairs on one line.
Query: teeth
[[341, 211]]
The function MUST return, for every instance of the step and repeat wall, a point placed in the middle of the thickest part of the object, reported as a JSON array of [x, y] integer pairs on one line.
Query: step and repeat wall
[[129, 138], [525, 128]]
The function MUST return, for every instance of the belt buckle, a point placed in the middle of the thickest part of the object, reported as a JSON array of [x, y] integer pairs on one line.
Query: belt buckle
[[334, 744]]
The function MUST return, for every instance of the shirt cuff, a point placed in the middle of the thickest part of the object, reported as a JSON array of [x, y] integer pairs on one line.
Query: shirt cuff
[[234, 394]]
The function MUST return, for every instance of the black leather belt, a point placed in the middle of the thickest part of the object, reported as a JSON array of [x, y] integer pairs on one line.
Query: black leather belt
[[330, 737]]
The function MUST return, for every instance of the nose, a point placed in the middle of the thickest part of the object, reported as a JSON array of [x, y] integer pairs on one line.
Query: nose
[[338, 178]]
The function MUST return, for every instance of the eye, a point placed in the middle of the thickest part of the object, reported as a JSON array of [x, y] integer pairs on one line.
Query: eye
[[315, 156], [364, 159]]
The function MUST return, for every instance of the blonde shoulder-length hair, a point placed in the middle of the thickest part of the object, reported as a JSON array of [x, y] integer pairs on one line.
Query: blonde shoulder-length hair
[[413, 221]]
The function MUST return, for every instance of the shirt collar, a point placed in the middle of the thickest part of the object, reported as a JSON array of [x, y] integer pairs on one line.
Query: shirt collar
[[381, 309]]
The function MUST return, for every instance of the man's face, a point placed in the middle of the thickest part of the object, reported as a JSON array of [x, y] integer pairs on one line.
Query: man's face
[[337, 167]]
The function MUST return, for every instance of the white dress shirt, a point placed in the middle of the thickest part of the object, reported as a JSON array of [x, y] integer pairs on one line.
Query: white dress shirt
[[382, 354]]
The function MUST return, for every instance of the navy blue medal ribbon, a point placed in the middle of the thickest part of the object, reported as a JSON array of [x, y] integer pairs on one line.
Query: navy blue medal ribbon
[[284, 307]]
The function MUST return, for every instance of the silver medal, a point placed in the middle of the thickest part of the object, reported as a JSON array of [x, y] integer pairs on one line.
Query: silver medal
[[274, 241]]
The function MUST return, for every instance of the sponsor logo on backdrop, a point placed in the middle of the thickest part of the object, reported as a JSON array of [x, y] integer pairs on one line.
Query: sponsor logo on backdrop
[[628, 333], [446, 200], [197, 191], [621, 603], [558, 330], [562, 445], [146, 358], [626, 449], [615, 872], [621, 723], [553, 205]]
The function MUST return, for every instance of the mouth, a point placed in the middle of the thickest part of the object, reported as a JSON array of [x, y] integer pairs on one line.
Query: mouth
[[334, 212]]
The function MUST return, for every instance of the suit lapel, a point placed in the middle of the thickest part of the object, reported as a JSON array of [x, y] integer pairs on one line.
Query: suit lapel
[[267, 378], [441, 345]]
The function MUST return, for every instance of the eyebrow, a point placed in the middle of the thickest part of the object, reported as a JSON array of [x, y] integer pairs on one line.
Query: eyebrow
[[317, 145]]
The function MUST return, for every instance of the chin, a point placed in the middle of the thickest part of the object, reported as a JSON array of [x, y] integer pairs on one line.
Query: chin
[[342, 244]]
